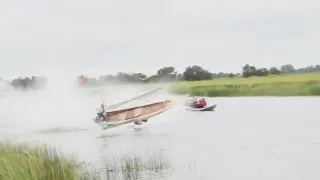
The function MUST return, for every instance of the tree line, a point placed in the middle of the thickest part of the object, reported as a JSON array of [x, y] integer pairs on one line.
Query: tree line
[[194, 73], [248, 70], [165, 74], [33, 82]]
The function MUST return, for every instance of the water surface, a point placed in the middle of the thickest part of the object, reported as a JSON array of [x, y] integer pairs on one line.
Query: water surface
[[245, 138]]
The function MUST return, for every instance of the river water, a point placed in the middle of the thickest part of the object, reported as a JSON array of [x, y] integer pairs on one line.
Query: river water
[[245, 138]]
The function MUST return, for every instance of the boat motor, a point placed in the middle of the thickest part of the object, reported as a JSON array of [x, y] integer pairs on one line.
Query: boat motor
[[100, 116]]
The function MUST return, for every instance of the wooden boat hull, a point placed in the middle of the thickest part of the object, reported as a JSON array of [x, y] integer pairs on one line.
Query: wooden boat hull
[[141, 113]]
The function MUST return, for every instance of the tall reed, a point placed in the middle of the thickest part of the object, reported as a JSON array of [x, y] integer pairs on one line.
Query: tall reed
[[22, 161]]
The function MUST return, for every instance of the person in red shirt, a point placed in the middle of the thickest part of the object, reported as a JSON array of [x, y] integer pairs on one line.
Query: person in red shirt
[[201, 103]]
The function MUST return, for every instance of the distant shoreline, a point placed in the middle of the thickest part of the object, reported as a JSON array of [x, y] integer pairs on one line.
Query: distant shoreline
[[197, 81]]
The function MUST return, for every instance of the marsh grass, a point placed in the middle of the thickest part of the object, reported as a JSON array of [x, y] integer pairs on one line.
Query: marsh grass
[[26, 162], [132, 167], [21, 161], [285, 85]]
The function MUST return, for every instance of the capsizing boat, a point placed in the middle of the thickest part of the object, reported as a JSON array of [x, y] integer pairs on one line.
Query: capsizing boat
[[111, 116], [137, 115]]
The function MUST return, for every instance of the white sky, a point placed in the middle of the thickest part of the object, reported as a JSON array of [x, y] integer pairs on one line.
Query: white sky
[[39, 37]]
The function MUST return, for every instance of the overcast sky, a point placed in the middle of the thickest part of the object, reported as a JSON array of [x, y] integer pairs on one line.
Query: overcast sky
[[107, 36]]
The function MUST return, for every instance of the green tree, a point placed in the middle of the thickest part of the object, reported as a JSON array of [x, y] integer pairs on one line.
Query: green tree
[[274, 70], [196, 73], [166, 71], [248, 71], [287, 68]]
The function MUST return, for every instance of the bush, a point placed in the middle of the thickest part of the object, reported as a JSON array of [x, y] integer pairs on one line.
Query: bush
[[315, 90]]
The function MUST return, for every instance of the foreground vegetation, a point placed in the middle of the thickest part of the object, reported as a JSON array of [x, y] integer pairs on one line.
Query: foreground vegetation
[[307, 84], [26, 162]]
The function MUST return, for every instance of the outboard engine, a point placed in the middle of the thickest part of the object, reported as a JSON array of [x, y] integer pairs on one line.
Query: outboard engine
[[100, 117]]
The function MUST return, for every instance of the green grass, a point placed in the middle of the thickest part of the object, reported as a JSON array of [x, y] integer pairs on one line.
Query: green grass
[[282, 85], [21, 161]]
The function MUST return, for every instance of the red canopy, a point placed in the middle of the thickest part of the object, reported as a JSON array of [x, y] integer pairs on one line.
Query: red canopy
[[82, 80]]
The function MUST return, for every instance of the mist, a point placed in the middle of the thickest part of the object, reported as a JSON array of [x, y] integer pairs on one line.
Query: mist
[[63, 104]]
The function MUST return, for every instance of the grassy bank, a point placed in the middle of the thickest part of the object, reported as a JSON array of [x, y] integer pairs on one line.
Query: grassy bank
[[40, 162], [282, 85]]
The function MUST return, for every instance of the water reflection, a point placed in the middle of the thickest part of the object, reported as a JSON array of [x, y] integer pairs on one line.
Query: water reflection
[[132, 166]]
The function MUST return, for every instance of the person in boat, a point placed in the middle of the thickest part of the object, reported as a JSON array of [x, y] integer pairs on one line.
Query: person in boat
[[202, 103], [191, 101]]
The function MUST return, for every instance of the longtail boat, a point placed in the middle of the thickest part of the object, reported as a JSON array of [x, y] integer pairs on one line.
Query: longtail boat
[[114, 115], [137, 115]]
